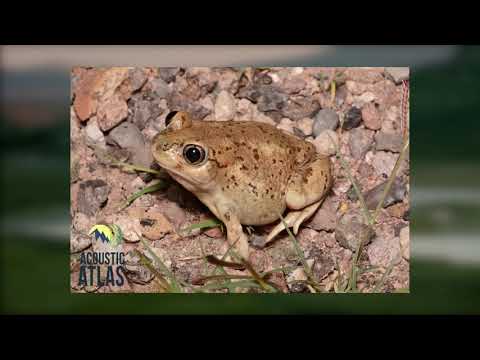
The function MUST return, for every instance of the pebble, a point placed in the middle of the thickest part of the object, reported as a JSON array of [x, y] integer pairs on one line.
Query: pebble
[[326, 119], [384, 251], [138, 78], [126, 136], [224, 106], [383, 162], [398, 210], [168, 74], [159, 88], [130, 227], [352, 118], [155, 225], [271, 99], [322, 266], [361, 140], [300, 107], [350, 229], [371, 117], [325, 142], [391, 121], [396, 194], [92, 194], [398, 74], [93, 135], [214, 232], [293, 85], [324, 218], [364, 75], [79, 242], [145, 111], [286, 124], [112, 112], [389, 142], [362, 100], [405, 242]]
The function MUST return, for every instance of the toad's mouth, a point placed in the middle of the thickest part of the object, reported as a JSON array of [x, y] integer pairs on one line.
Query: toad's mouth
[[176, 175]]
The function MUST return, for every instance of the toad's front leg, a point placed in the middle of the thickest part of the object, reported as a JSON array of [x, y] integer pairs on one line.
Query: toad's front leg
[[235, 235]]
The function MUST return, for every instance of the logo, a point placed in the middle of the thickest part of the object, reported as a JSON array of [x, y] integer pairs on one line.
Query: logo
[[100, 268], [112, 236]]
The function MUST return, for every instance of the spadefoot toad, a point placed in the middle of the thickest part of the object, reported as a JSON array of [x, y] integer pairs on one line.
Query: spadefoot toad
[[245, 172]]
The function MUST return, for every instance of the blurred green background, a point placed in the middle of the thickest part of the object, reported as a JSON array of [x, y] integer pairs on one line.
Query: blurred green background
[[444, 108]]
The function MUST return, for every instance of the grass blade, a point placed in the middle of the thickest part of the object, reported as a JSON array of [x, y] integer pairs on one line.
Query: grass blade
[[173, 281], [152, 188]]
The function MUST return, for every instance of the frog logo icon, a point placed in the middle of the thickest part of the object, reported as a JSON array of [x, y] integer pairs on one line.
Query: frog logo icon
[[111, 235]]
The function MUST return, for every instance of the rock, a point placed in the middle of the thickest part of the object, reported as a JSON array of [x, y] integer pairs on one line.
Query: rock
[[305, 126], [391, 123], [396, 194], [228, 79], [325, 218], [326, 119], [81, 223], [224, 106], [405, 242], [371, 117], [398, 210], [299, 107], [79, 242], [145, 111], [214, 232], [325, 143], [130, 227], [168, 74], [126, 136], [365, 170], [92, 194], [361, 140], [271, 99], [245, 110], [293, 85], [366, 98], [322, 265], [159, 88], [93, 135], [384, 162], [138, 78], [293, 281], [351, 229], [286, 124], [85, 104], [135, 271], [384, 251], [112, 112], [397, 74], [364, 75], [389, 142], [353, 118], [155, 225]]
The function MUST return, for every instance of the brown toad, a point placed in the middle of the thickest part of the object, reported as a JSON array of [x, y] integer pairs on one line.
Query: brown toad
[[245, 172]]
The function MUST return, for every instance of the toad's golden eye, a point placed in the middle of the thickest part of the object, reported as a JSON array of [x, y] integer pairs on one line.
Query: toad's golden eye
[[169, 117], [194, 154]]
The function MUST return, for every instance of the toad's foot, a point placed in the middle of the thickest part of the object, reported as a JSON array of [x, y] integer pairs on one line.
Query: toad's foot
[[293, 219]]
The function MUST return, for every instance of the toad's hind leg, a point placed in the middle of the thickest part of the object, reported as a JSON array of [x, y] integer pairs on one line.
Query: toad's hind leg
[[305, 192]]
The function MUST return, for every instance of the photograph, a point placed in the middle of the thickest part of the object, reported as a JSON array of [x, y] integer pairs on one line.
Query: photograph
[[239, 180]]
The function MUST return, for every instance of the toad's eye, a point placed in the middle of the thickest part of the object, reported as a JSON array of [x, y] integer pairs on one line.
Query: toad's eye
[[194, 154], [169, 117]]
